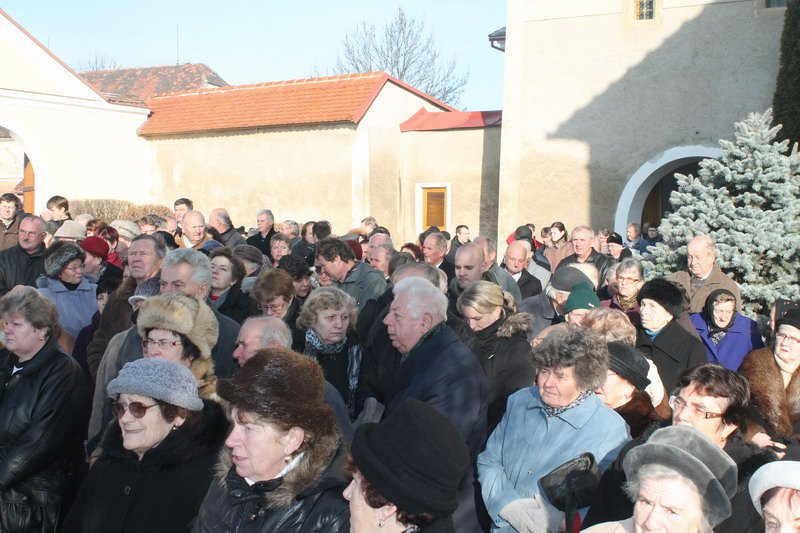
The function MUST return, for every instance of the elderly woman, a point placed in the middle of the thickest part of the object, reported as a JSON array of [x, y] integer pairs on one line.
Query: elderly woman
[[727, 335], [43, 412], [547, 425], [279, 245], [227, 273], [679, 482], [774, 376], [628, 282], [427, 459], [274, 292], [279, 473], [157, 459], [329, 320], [559, 247], [65, 285], [500, 342], [775, 491]]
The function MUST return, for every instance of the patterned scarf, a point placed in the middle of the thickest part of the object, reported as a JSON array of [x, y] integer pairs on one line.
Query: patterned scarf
[[550, 411], [625, 303], [314, 346]]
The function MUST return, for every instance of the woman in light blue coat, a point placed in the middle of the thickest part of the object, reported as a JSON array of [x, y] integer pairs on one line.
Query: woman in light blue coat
[[547, 425], [64, 285]]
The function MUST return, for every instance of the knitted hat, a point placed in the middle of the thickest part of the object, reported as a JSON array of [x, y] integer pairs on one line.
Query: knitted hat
[[415, 458], [664, 293], [295, 265], [127, 229], [628, 363], [95, 246], [696, 458], [159, 379], [614, 238], [180, 314], [249, 253], [566, 278], [71, 230], [785, 474], [581, 297], [58, 256], [282, 386], [791, 318]]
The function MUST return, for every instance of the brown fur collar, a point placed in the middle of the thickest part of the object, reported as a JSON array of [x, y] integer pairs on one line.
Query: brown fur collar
[[638, 413], [779, 406], [300, 479], [516, 323], [203, 370]]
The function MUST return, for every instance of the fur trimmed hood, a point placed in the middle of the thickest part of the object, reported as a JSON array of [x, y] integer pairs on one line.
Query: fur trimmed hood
[[779, 406], [516, 323], [181, 314]]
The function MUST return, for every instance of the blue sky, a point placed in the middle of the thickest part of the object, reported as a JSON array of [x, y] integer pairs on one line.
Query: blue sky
[[259, 41]]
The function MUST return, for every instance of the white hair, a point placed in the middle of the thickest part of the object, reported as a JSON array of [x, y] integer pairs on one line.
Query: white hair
[[271, 329], [423, 297]]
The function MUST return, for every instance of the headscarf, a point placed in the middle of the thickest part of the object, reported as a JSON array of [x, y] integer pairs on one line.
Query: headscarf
[[716, 331]]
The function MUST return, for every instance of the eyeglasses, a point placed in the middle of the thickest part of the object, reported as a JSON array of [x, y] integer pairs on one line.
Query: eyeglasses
[[76, 267], [788, 339], [625, 281], [676, 403], [136, 409], [24, 233], [273, 308], [162, 344]]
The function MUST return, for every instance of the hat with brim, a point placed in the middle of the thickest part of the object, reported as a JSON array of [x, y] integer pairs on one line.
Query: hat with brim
[[784, 474], [71, 230]]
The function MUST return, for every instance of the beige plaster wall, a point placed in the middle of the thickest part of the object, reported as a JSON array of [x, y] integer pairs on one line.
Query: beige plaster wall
[[591, 95]]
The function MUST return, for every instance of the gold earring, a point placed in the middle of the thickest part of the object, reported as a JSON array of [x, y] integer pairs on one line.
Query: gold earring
[[288, 459]]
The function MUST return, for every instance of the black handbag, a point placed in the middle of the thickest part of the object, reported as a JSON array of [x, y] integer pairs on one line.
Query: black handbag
[[572, 486]]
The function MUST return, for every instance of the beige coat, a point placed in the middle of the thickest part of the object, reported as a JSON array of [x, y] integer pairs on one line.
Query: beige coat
[[716, 280], [625, 526]]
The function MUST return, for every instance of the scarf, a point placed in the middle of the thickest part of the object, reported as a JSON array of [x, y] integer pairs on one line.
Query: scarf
[[314, 346], [715, 331], [625, 303], [550, 411]]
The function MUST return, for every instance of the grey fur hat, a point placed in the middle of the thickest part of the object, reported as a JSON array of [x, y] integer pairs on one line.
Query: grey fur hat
[[664, 293], [159, 379], [127, 229], [696, 458], [785, 474], [59, 255]]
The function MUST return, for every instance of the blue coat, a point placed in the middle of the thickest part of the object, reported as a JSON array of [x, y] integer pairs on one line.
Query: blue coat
[[742, 338], [527, 445], [75, 308]]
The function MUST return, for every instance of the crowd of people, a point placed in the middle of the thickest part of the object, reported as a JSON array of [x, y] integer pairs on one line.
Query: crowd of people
[[178, 373]]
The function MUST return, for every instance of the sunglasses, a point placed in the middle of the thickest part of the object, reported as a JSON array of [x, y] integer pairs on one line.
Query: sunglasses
[[137, 409]]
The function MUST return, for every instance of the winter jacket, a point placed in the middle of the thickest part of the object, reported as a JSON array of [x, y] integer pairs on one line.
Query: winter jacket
[[503, 351], [43, 412], [308, 499], [741, 338], [506, 282], [363, 284], [717, 279], [775, 410], [163, 491], [541, 309], [528, 445], [116, 318], [262, 242], [341, 368], [555, 255], [236, 305], [232, 238], [9, 235], [528, 284], [632, 313], [75, 308], [673, 350], [611, 503], [18, 267], [600, 261]]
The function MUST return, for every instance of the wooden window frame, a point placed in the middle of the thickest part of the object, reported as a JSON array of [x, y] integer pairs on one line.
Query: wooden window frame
[[420, 204]]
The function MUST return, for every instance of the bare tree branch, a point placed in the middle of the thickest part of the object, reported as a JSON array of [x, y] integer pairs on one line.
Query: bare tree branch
[[99, 62]]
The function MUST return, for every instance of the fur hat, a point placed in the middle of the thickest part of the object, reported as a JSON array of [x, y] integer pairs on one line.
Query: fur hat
[[695, 457], [58, 256], [614, 238], [181, 314], [785, 474], [126, 229], [159, 379], [284, 387], [71, 230], [415, 458], [665, 294], [791, 318]]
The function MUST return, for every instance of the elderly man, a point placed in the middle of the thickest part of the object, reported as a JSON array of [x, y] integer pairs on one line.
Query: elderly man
[[434, 248], [220, 220], [437, 368], [23, 263], [582, 242], [194, 230], [379, 257], [494, 272], [291, 229], [714, 401], [357, 279], [515, 262], [264, 222], [634, 235], [704, 275], [379, 239]]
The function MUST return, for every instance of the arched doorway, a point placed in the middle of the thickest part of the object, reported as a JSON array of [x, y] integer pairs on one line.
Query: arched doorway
[[645, 197], [16, 170]]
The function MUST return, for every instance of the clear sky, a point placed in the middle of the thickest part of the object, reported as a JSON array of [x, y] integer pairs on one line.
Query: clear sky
[[257, 41]]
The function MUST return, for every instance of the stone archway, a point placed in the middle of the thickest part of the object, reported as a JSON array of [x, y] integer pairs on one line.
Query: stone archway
[[17, 157], [631, 204]]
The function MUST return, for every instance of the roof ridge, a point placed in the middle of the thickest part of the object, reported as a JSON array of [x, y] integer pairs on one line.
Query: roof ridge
[[167, 65]]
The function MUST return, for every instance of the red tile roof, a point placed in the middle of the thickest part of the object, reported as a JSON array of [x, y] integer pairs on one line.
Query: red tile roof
[[142, 83], [425, 120], [285, 103]]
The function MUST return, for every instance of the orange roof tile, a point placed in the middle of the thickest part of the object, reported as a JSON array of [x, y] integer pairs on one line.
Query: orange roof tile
[[285, 103], [424, 120]]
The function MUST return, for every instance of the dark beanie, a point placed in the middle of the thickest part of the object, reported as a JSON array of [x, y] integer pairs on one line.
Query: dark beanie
[[664, 293], [629, 364], [415, 458], [614, 238], [791, 318]]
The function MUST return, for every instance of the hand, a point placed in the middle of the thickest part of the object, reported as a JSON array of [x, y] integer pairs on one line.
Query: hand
[[762, 440]]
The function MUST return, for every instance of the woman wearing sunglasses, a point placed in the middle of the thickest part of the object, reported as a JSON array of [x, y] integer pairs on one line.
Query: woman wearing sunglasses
[[157, 460]]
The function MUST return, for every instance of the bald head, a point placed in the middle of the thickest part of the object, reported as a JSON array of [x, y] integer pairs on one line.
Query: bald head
[[470, 264], [194, 226], [701, 255], [516, 257]]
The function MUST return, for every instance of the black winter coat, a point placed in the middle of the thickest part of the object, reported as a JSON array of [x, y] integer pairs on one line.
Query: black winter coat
[[237, 305], [673, 350], [528, 285], [308, 499], [44, 409], [163, 491], [503, 351], [18, 267]]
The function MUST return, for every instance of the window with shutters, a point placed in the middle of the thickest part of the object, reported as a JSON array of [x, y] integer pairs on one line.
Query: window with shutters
[[433, 205], [775, 3], [644, 9]]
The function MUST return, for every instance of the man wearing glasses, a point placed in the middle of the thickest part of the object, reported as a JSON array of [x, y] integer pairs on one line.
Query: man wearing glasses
[[714, 401], [24, 263]]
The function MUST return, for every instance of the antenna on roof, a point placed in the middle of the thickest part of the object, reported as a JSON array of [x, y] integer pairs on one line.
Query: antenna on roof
[[177, 45]]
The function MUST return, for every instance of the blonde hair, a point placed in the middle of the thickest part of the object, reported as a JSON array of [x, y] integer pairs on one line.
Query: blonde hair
[[32, 306], [326, 298], [485, 297], [612, 324]]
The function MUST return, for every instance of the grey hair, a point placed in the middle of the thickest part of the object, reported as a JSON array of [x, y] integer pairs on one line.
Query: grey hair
[[421, 270], [439, 240], [635, 226], [388, 239], [271, 329], [390, 251], [36, 218], [491, 244], [633, 486], [442, 285], [553, 293], [222, 215], [159, 245], [592, 234], [294, 225], [583, 350], [200, 264], [611, 271], [83, 218], [705, 241], [631, 264], [590, 271], [423, 297], [267, 212]]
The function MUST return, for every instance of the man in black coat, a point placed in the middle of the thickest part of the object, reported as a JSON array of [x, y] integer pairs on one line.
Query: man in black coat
[[23, 263], [265, 222], [713, 400], [434, 248], [582, 241], [515, 262]]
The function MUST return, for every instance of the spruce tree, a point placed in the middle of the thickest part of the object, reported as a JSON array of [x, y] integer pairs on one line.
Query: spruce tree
[[748, 201], [786, 101]]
